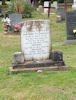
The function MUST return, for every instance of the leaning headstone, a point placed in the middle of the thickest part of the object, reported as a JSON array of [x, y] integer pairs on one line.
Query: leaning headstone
[[71, 27], [36, 46], [74, 4], [62, 13], [15, 18]]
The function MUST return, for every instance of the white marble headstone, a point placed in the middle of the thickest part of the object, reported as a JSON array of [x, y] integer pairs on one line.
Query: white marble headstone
[[74, 4], [36, 39], [54, 4], [46, 4]]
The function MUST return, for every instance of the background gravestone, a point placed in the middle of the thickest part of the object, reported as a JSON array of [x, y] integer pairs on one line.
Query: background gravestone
[[74, 4], [46, 5], [36, 39], [54, 4], [71, 25], [0, 9], [15, 18], [61, 12]]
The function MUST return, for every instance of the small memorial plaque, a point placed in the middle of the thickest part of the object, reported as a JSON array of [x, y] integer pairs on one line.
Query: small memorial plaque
[[36, 39]]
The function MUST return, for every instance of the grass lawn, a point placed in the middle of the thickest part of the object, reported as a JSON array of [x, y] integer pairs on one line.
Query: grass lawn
[[38, 86]]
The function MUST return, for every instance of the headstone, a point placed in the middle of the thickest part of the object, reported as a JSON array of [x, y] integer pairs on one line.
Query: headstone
[[54, 5], [74, 4], [0, 9], [15, 18], [61, 12], [46, 6], [36, 45], [40, 8], [71, 26], [36, 39]]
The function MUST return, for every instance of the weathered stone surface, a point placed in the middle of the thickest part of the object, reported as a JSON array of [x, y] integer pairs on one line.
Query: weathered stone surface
[[36, 39], [18, 58], [57, 57]]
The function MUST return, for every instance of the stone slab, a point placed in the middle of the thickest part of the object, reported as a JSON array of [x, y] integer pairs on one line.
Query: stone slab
[[44, 63], [47, 65], [52, 68], [70, 41]]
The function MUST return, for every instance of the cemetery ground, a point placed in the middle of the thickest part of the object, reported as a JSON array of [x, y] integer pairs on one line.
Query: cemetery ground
[[38, 86]]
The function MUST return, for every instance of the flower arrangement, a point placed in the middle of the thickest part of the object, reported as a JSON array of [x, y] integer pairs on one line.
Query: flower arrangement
[[17, 27], [12, 27]]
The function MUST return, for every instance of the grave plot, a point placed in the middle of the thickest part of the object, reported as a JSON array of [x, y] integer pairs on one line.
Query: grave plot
[[36, 46]]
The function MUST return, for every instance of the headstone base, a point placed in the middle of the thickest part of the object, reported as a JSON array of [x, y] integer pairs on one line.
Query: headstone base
[[35, 69], [54, 63], [70, 41]]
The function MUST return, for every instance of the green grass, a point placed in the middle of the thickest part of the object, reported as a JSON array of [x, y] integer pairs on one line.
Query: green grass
[[38, 86]]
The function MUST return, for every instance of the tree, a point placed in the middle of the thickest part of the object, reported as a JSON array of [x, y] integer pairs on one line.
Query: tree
[[3, 2]]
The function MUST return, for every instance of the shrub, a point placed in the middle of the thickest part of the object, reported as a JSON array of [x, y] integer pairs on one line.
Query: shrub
[[26, 15], [21, 6]]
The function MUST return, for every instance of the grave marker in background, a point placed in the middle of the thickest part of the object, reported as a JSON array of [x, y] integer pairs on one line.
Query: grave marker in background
[[74, 4], [15, 18], [54, 5], [71, 27], [62, 13], [47, 6]]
